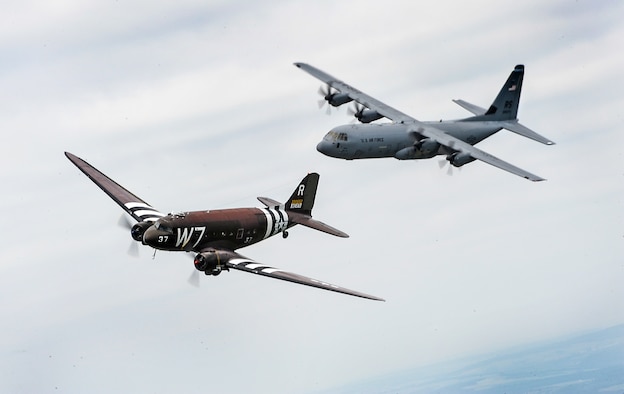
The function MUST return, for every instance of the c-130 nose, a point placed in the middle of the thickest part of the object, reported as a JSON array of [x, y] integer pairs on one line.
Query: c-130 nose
[[323, 147]]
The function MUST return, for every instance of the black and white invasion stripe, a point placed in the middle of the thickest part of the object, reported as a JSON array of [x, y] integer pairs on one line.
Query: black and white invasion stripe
[[277, 220], [252, 266], [143, 211]]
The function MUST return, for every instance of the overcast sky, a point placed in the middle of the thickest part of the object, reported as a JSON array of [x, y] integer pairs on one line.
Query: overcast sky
[[197, 105]]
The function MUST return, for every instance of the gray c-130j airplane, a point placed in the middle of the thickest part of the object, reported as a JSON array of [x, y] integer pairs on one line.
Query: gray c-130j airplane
[[213, 236], [407, 138]]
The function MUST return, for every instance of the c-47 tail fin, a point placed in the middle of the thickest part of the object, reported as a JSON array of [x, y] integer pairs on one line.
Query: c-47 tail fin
[[299, 206], [137, 208], [302, 199]]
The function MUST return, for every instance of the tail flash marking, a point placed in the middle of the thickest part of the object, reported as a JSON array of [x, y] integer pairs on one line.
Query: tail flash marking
[[302, 198]]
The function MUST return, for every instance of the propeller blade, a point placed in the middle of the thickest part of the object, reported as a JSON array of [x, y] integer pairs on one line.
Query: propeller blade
[[133, 250], [450, 169], [355, 109], [193, 280], [124, 222], [326, 93], [444, 162]]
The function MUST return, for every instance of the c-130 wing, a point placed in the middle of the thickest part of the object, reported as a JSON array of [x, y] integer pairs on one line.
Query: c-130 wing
[[357, 95]]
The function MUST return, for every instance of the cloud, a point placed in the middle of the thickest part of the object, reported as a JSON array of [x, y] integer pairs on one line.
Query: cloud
[[198, 106]]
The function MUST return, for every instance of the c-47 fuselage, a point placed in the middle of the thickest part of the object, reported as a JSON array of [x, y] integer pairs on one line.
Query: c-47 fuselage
[[225, 228]]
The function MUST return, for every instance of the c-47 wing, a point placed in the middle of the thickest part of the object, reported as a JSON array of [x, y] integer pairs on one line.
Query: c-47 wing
[[137, 208], [460, 146], [358, 96], [244, 264]]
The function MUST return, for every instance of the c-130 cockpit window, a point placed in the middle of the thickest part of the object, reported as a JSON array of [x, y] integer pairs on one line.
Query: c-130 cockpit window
[[334, 136]]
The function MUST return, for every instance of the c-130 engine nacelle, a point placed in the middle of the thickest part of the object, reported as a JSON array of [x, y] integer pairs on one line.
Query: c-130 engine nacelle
[[423, 149], [458, 159]]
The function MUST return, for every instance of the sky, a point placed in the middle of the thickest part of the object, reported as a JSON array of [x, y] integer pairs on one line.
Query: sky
[[197, 105]]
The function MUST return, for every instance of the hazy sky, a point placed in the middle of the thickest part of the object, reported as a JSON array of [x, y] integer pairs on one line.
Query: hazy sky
[[197, 105]]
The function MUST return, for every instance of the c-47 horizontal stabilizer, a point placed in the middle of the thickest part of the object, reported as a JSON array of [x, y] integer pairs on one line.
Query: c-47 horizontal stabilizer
[[269, 202], [307, 221]]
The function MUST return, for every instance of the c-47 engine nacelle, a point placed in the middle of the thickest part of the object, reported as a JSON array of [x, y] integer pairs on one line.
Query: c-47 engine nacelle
[[138, 230], [212, 262], [458, 159]]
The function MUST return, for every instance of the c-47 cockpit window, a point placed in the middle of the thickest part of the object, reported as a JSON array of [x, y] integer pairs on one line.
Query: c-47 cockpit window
[[342, 136], [163, 227]]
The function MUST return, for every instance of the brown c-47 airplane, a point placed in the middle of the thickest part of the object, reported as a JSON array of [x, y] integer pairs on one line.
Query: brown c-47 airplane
[[216, 234]]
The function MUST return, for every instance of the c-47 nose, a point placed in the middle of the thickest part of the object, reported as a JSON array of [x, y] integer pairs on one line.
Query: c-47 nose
[[156, 238], [150, 236]]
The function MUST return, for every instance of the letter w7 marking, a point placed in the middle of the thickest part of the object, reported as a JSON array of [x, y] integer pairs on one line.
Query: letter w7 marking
[[185, 234]]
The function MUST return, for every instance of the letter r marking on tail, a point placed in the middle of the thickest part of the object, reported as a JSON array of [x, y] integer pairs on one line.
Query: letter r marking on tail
[[300, 190]]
